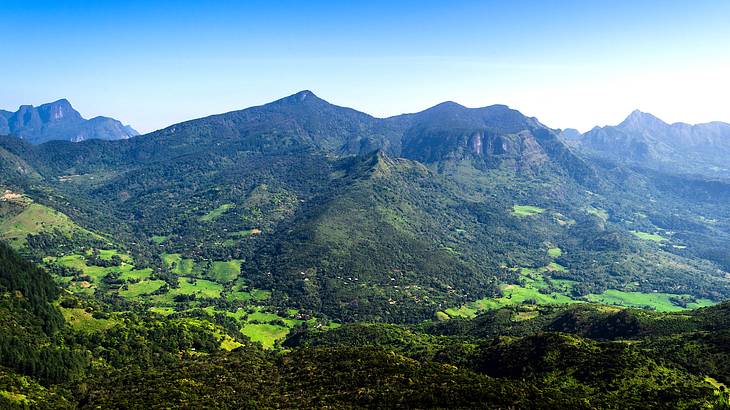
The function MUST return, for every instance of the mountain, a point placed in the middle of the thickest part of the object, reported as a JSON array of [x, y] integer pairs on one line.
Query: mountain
[[644, 140], [464, 208], [60, 121]]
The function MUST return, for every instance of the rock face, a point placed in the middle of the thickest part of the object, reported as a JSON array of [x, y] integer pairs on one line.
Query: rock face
[[60, 121], [570, 134], [645, 140]]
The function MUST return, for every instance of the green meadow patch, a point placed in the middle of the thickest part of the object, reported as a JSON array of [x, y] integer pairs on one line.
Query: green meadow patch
[[260, 294], [649, 236], [555, 252], [162, 310], [225, 271], [94, 273], [159, 239], [265, 333], [177, 264], [216, 213], [662, 302], [107, 254], [144, 287], [198, 287], [34, 219], [529, 291], [245, 233], [139, 274], [597, 212], [84, 321], [526, 210], [556, 267]]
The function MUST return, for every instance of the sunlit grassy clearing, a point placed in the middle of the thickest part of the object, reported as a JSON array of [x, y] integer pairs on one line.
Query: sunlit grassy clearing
[[265, 333], [144, 287], [34, 219], [159, 239], [649, 236], [659, 301], [82, 320], [199, 288], [216, 213], [177, 264], [555, 252], [225, 271], [526, 210]]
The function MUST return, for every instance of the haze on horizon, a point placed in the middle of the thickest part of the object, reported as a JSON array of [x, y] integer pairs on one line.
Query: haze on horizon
[[570, 64]]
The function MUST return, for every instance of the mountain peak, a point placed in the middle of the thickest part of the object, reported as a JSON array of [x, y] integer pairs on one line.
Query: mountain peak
[[447, 105], [304, 96], [642, 120], [58, 110]]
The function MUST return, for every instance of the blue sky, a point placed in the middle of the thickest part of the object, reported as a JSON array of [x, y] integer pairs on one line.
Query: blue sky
[[569, 63]]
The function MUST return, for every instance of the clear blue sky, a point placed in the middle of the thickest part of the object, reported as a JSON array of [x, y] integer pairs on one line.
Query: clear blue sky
[[570, 63]]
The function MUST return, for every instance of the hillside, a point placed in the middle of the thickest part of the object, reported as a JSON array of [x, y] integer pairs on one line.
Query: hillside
[[586, 356]]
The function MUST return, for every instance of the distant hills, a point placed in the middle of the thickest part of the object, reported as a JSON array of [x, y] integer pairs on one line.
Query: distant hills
[[645, 140], [493, 134], [60, 121]]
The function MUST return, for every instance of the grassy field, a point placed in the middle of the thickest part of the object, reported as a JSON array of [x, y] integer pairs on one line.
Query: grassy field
[[265, 333], [137, 274], [240, 291], [34, 219], [138, 289], [659, 301], [106, 254], [245, 233], [216, 213], [95, 273], [649, 236], [526, 210], [225, 271], [556, 267], [514, 294], [159, 239], [259, 323], [555, 252], [200, 288], [162, 310], [178, 264], [82, 320], [534, 279], [260, 295]]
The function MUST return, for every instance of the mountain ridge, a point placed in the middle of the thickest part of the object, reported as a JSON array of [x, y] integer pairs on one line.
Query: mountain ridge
[[481, 193], [58, 120], [642, 139]]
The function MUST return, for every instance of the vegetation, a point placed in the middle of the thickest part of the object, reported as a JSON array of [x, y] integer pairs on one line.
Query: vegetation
[[526, 210], [649, 236], [301, 254]]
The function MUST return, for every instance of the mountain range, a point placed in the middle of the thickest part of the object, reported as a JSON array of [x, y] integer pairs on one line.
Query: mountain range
[[645, 140], [60, 121], [456, 202]]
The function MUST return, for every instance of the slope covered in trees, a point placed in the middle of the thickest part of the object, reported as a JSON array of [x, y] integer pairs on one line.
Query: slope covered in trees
[[585, 356]]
